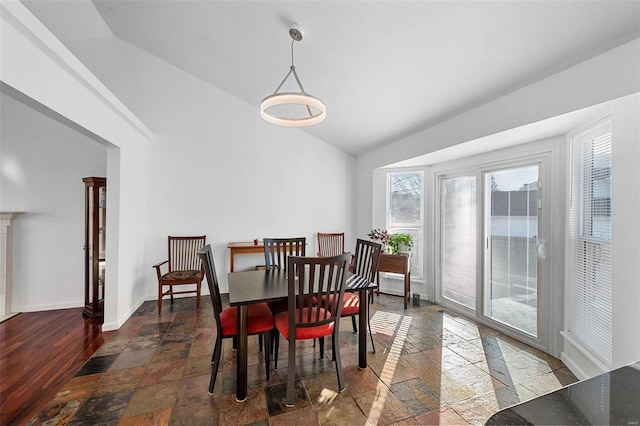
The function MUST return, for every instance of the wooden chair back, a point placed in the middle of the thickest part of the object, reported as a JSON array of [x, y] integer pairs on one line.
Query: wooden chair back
[[278, 250], [330, 244], [183, 253], [366, 259], [206, 256], [309, 279]]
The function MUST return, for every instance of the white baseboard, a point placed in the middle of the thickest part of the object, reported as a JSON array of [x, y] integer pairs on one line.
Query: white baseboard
[[110, 326], [579, 360], [48, 307]]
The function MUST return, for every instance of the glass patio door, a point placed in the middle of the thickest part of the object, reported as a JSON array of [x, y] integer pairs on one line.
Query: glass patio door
[[511, 209]]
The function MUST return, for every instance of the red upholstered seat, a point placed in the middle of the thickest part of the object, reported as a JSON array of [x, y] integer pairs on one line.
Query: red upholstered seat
[[282, 324], [350, 304], [260, 319]]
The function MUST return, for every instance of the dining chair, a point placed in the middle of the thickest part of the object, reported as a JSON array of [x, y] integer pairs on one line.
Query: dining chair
[[310, 278], [365, 265], [183, 267], [260, 318], [330, 244], [276, 255], [278, 250]]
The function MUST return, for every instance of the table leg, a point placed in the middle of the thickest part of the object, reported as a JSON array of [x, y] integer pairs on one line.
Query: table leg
[[241, 375], [231, 255], [363, 315], [407, 288]]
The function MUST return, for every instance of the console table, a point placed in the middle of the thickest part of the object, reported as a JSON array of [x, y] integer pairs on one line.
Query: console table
[[243, 248], [398, 264]]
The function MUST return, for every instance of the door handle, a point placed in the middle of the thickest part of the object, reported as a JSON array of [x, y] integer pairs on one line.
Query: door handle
[[541, 250]]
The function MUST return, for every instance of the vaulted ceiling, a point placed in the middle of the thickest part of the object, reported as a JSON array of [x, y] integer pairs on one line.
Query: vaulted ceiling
[[385, 69]]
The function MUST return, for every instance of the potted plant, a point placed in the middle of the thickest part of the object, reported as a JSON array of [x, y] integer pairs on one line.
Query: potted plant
[[400, 243]]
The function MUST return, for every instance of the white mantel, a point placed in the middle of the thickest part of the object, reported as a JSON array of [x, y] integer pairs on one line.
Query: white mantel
[[6, 256]]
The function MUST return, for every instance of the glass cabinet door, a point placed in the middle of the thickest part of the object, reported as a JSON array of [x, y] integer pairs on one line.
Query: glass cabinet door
[[95, 245]]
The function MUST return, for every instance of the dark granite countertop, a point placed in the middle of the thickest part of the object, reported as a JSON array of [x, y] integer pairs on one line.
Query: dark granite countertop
[[611, 398]]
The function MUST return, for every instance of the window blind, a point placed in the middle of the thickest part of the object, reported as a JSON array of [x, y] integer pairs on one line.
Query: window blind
[[589, 258], [458, 223]]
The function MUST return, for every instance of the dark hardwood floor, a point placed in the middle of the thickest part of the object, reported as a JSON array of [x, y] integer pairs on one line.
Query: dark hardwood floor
[[39, 352]]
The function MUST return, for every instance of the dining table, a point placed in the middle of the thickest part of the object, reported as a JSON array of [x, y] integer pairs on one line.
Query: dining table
[[249, 287]]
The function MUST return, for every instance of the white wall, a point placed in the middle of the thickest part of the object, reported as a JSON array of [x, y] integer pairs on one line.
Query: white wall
[[216, 168], [625, 188], [42, 163], [36, 65], [625, 242], [611, 75]]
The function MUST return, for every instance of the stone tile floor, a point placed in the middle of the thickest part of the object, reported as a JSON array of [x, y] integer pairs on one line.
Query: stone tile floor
[[431, 367]]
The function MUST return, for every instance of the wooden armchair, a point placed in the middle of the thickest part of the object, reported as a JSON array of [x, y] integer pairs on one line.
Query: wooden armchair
[[183, 267]]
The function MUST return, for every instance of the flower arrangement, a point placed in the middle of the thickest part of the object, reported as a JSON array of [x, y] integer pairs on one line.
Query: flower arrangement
[[380, 235]]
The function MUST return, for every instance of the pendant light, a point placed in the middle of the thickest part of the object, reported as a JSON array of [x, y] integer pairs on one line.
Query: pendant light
[[293, 109]]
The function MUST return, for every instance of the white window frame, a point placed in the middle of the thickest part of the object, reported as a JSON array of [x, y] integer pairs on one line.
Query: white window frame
[[417, 253]]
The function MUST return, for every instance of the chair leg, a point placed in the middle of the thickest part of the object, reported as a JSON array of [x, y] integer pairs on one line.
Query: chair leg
[[276, 345], [215, 359], [353, 322], [373, 345], [291, 374], [260, 338], [217, 350], [321, 339], [267, 350], [198, 295], [333, 346], [235, 343], [171, 293], [336, 354], [159, 299]]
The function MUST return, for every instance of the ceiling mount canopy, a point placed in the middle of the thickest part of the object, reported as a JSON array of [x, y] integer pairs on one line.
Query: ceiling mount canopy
[[293, 109]]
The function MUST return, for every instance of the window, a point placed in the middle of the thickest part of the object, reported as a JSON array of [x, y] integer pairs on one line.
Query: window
[[404, 212], [589, 285]]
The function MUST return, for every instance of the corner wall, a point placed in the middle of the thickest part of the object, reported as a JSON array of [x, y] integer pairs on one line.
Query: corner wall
[[76, 97], [42, 163]]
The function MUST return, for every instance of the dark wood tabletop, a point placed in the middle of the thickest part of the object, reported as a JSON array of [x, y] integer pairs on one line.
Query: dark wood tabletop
[[249, 287]]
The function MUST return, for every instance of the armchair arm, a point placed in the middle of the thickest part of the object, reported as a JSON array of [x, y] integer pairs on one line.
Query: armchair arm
[[157, 267]]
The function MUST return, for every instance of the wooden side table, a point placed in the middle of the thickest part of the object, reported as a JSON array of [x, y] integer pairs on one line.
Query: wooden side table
[[243, 248], [398, 264]]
